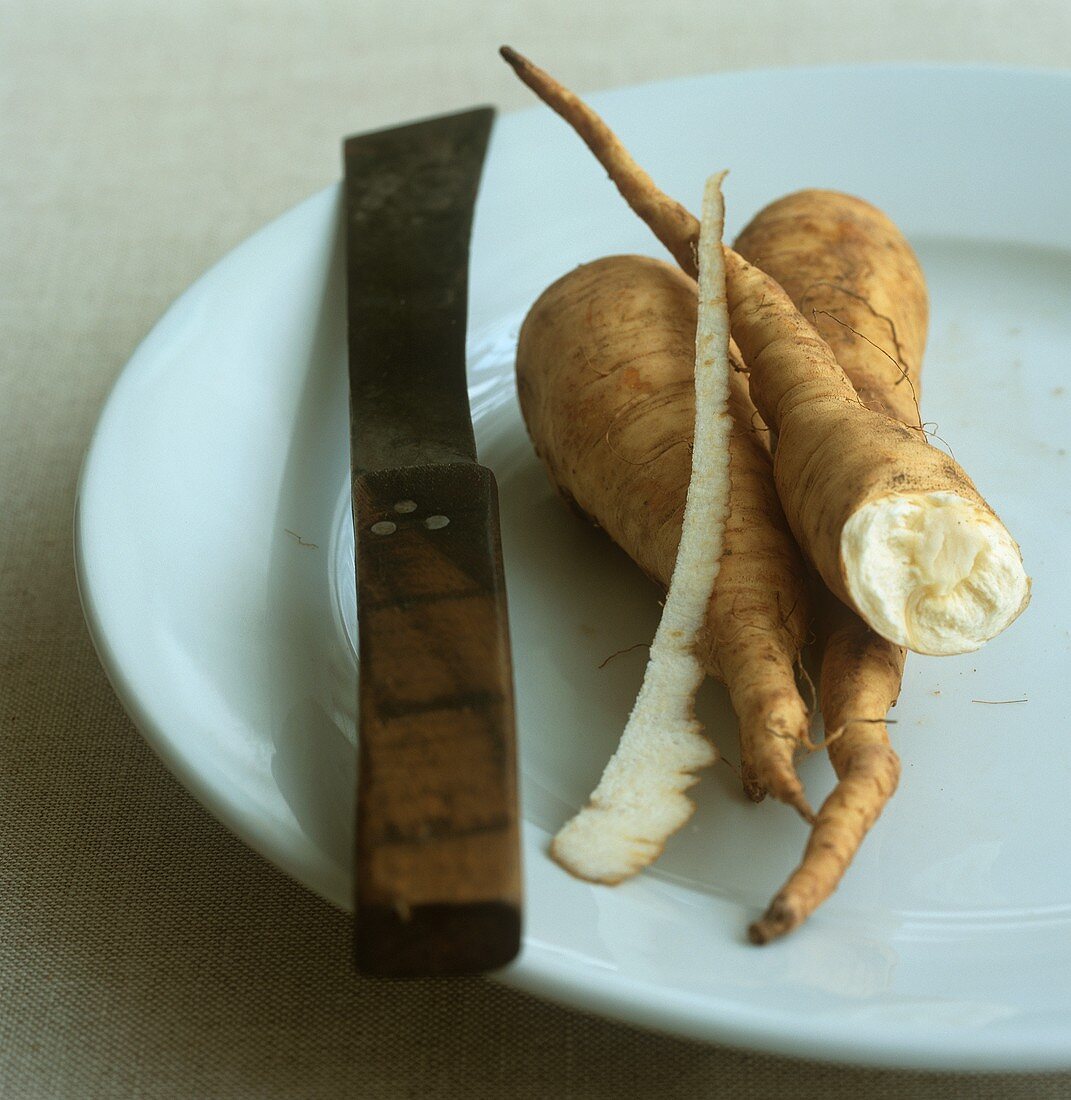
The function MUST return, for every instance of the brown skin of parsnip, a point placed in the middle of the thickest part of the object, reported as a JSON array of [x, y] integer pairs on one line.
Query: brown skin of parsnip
[[605, 368], [849, 271]]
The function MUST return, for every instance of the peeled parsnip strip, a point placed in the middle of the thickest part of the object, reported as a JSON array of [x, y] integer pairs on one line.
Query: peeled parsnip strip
[[640, 800]]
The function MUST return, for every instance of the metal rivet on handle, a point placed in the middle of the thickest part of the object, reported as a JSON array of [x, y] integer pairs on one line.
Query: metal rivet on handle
[[384, 527], [405, 506], [433, 523]]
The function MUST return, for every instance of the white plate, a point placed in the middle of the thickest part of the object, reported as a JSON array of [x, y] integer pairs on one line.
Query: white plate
[[214, 555]]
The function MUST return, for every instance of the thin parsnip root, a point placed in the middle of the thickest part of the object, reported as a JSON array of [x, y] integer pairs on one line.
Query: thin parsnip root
[[860, 680], [640, 800], [671, 223], [604, 374], [894, 526]]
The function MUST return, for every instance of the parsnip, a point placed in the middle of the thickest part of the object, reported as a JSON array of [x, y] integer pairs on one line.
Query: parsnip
[[894, 526]]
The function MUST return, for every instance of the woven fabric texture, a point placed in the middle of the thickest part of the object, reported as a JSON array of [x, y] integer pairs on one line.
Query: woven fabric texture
[[144, 952]]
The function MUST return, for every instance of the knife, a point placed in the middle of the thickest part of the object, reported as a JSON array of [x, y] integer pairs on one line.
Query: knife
[[438, 884]]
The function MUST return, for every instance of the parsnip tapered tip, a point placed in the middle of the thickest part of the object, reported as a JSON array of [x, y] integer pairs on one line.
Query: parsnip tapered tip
[[780, 918], [752, 787], [774, 726], [800, 804], [786, 789], [784, 784], [793, 797], [512, 57]]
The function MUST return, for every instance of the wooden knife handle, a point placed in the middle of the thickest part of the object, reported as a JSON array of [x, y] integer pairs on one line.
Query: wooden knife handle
[[438, 883]]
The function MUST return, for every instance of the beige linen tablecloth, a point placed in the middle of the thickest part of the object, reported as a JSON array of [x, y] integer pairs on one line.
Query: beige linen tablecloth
[[144, 952]]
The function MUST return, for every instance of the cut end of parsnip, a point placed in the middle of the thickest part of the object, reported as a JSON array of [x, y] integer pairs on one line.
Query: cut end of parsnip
[[934, 572], [640, 800]]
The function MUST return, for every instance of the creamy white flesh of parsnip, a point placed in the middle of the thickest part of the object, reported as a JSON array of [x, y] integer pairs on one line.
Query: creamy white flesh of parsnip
[[933, 572], [640, 800]]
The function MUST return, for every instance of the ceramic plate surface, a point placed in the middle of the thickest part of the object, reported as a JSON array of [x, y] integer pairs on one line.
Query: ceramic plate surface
[[215, 563]]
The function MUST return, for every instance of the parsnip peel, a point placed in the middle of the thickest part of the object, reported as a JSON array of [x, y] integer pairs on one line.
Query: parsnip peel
[[640, 800]]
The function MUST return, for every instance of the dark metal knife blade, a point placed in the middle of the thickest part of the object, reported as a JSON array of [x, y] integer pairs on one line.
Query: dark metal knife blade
[[438, 885]]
